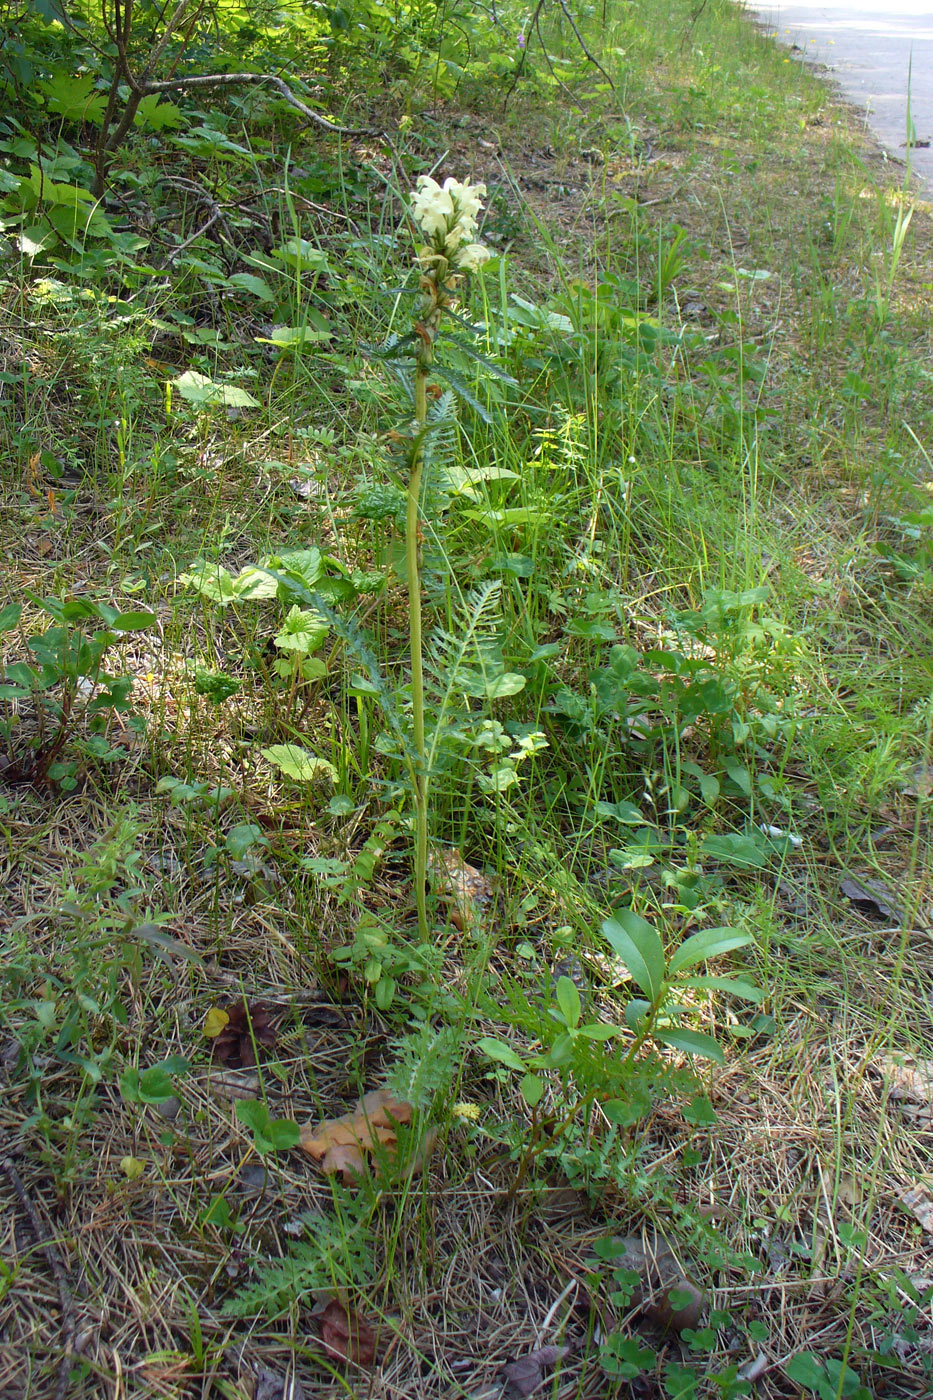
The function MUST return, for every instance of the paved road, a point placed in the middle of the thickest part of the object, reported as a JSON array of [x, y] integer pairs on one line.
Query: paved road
[[876, 53]]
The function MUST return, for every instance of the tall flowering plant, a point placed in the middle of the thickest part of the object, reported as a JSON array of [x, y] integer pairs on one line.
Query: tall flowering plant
[[446, 215]]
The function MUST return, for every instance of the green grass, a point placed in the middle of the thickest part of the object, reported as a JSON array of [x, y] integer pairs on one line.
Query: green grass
[[705, 444]]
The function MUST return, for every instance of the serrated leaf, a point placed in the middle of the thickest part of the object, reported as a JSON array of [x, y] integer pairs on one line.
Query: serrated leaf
[[74, 98], [298, 763], [708, 943], [692, 1043], [213, 581], [302, 631], [158, 116], [532, 1090], [638, 945]]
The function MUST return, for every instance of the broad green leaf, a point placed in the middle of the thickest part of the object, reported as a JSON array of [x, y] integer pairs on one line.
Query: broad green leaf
[[293, 337], [709, 788], [737, 849], [708, 943], [249, 282], [532, 1090], [560, 1053], [625, 812], [692, 1043], [635, 1012], [599, 1030], [700, 1112], [254, 584], [568, 999], [503, 1053], [807, 1371], [499, 779], [158, 116], [624, 1112], [637, 943], [198, 389], [133, 621], [733, 985], [213, 581], [298, 763], [487, 686], [10, 616], [740, 776], [298, 253], [242, 838], [302, 631], [74, 98], [306, 564]]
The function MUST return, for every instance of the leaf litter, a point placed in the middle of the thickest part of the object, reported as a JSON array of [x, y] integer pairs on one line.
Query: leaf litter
[[347, 1336], [341, 1145], [238, 1030]]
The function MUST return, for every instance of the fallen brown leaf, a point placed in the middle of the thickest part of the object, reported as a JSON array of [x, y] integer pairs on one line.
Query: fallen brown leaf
[[466, 890], [910, 1083], [347, 1336], [339, 1144], [248, 1025], [908, 1078], [271, 1386], [919, 1202], [872, 898], [526, 1373], [347, 1160]]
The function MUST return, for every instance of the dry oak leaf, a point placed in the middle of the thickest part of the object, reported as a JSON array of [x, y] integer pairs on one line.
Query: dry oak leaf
[[347, 1336], [339, 1144]]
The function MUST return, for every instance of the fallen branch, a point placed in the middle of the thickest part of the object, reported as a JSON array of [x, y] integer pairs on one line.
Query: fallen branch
[[247, 79]]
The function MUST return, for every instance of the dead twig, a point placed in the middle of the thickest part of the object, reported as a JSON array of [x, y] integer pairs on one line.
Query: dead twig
[[46, 1244], [579, 38]]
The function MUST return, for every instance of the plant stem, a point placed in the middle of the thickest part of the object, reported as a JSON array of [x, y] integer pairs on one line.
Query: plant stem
[[419, 774]]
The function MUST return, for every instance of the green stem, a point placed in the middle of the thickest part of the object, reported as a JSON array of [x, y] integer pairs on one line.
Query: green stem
[[420, 779]]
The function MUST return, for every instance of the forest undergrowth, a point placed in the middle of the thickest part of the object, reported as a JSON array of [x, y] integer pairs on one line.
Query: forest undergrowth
[[465, 709]]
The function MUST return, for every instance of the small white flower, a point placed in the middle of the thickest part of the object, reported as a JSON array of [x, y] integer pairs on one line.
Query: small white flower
[[472, 256], [449, 210], [432, 207]]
